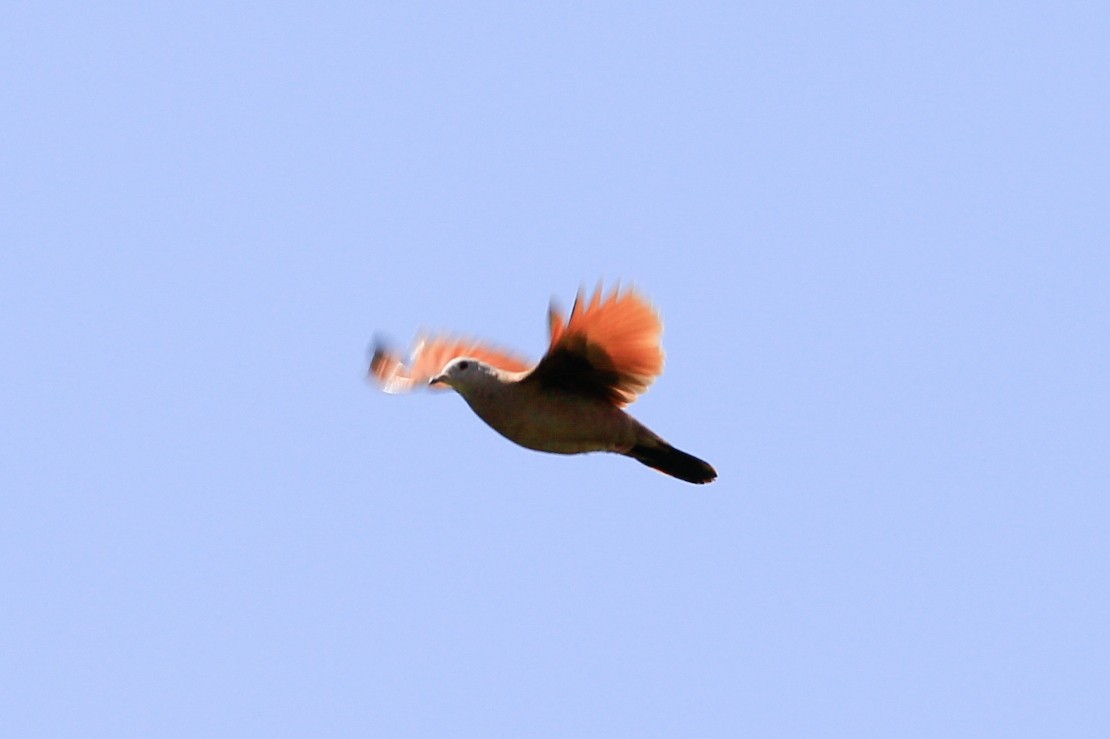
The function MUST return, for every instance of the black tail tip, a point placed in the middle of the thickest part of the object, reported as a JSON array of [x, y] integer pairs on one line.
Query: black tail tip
[[674, 462]]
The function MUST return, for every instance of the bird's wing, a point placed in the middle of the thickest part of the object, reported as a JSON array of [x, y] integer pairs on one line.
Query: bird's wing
[[609, 348], [431, 355]]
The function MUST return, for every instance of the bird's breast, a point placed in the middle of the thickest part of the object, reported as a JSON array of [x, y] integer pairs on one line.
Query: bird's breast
[[555, 422]]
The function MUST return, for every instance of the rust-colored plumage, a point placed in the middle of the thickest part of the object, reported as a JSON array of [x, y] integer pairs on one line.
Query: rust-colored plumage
[[610, 347], [599, 360], [617, 338]]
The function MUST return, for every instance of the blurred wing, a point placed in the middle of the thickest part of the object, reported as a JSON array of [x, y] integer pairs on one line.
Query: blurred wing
[[430, 356], [609, 348]]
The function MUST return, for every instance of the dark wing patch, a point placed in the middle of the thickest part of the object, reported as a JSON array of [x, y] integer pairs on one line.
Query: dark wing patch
[[578, 370]]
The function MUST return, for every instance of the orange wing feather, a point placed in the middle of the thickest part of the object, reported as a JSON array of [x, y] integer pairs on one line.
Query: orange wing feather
[[430, 356], [614, 340]]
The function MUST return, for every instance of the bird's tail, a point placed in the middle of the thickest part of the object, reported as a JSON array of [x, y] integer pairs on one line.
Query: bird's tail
[[660, 455]]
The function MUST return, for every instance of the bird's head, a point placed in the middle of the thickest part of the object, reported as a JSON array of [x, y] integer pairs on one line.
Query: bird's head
[[465, 374]]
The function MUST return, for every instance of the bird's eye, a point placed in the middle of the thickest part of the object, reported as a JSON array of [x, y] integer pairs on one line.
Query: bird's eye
[[463, 366]]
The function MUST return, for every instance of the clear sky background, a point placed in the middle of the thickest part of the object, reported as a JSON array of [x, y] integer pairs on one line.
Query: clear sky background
[[879, 237]]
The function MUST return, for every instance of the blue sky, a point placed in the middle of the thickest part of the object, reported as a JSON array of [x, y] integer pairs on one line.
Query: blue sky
[[878, 237]]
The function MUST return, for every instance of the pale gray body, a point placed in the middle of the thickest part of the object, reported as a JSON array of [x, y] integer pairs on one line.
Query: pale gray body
[[544, 419]]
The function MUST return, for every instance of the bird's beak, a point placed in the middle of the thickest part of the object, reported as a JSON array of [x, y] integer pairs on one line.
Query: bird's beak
[[440, 379]]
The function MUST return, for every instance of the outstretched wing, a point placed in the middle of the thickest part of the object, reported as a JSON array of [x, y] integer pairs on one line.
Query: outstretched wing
[[431, 355], [609, 348]]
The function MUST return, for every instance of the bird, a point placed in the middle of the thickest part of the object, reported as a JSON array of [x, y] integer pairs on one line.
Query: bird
[[598, 361]]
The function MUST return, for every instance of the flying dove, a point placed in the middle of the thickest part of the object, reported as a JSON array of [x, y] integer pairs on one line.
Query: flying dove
[[599, 360]]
